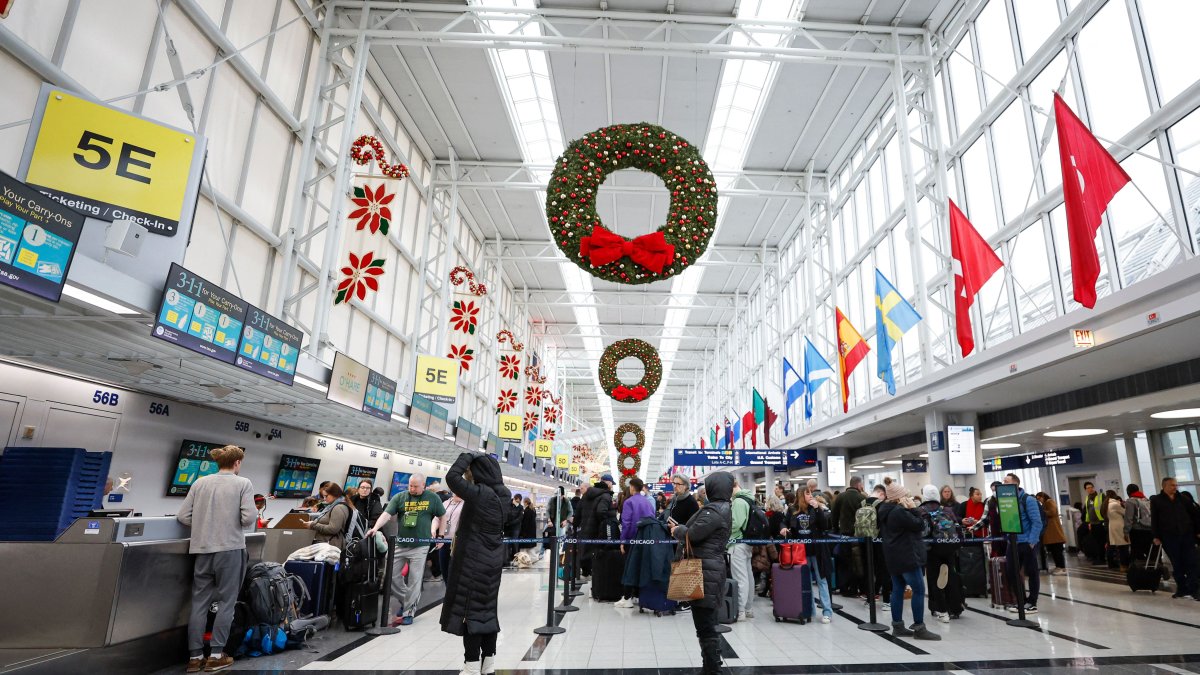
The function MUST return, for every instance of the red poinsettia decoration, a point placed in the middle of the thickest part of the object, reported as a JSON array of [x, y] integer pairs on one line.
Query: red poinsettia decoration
[[463, 354], [550, 413], [506, 401], [359, 276], [464, 317], [372, 211], [531, 421], [533, 395], [510, 366], [548, 434]]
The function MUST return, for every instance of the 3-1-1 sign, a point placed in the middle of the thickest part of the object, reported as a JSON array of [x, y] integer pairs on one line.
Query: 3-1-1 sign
[[508, 427], [543, 449], [437, 379]]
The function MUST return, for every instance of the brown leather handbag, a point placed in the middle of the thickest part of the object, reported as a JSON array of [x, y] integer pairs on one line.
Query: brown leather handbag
[[687, 576]]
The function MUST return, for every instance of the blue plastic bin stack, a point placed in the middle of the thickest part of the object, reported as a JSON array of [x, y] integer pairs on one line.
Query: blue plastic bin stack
[[44, 490]]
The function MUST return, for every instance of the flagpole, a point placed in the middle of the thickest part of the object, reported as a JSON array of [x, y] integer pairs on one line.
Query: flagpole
[[1184, 245]]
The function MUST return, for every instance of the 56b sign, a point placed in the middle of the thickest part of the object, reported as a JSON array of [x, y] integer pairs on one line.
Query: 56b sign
[[437, 378]]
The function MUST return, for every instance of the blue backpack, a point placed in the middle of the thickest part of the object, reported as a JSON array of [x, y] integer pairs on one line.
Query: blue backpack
[[262, 640]]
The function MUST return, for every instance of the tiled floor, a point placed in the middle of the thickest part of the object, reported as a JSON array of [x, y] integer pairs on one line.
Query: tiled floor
[[1085, 624]]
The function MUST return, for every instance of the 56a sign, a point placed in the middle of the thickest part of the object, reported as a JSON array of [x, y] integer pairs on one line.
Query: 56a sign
[[437, 378]]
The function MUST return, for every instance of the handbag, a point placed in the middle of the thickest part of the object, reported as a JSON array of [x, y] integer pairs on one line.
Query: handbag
[[791, 555], [687, 576]]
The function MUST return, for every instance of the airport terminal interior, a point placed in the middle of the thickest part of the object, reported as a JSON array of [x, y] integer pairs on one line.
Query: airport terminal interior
[[429, 336]]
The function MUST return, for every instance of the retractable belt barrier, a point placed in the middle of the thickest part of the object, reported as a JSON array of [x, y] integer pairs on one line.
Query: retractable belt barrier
[[651, 542]]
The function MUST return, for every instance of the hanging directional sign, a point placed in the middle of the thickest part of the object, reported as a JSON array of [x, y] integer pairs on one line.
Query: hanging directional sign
[[705, 457], [543, 449], [562, 460], [1035, 460], [764, 457], [508, 427], [915, 466]]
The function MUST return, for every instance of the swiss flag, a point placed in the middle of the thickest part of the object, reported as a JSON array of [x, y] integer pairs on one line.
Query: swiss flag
[[974, 263], [1090, 179]]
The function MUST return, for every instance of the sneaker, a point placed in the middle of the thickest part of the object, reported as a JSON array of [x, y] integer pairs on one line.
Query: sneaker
[[887, 606], [406, 621], [1030, 608], [684, 607], [195, 665], [741, 616], [216, 663], [624, 603], [825, 619], [396, 621], [943, 577], [943, 617], [749, 614]]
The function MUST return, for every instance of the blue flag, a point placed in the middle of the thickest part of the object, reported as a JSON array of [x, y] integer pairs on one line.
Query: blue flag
[[737, 430], [794, 393], [893, 318], [817, 371]]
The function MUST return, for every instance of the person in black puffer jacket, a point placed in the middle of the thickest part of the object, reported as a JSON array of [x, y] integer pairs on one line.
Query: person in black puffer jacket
[[595, 508], [708, 532], [477, 558], [900, 526]]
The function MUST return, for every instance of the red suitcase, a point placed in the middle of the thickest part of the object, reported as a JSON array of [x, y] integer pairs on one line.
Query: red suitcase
[[792, 592], [1002, 592]]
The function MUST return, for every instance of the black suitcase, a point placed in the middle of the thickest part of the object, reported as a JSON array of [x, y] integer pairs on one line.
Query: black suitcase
[[358, 604], [972, 570], [317, 576], [1146, 575], [608, 566], [361, 608], [727, 609]]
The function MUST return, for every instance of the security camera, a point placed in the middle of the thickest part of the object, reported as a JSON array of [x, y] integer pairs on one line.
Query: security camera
[[257, 435]]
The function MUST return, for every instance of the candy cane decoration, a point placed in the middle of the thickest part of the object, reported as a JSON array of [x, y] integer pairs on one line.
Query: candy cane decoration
[[510, 373], [507, 336], [368, 148], [461, 274]]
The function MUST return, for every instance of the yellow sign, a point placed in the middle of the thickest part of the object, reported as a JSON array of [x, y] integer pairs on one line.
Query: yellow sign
[[1083, 338], [574, 470], [562, 461], [508, 427], [543, 448], [109, 164], [437, 379]]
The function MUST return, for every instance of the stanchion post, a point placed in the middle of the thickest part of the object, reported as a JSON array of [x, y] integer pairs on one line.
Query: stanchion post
[[385, 603], [873, 625], [1014, 559], [568, 578], [550, 628], [576, 562]]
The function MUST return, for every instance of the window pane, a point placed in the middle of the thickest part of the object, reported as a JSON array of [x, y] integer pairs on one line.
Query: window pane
[[995, 46], [1171, 33], [1111, 74], [1041, 95], [980, 207], [1185, 137], [1013, 165], [1175, 442], [1036, 20], [964, 93], [1031, 268], [1181, 469], [1145, 244]]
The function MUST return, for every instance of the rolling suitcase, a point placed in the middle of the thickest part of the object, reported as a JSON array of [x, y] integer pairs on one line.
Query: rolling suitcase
[[608, 566], [317, 576], [1146, 575], [973, 572], [358, 605], [727, 607], [792, 592], [1002, 594], [653, 598]]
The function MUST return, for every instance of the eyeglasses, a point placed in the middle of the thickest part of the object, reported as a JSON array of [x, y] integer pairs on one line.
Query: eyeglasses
[[681, 484]]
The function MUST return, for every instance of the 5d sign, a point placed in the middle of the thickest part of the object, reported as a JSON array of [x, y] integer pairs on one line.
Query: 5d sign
[[508, 427], [437, 379]]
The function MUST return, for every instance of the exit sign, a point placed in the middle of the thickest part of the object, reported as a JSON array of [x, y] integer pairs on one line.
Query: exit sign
[[1083, 339]]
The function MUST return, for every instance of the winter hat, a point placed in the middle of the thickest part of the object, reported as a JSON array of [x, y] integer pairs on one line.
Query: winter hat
[[929, 493], [894, 490]]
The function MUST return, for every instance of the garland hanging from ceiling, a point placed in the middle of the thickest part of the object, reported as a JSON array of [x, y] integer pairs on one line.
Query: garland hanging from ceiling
[[629, 459], [364, 247], [575, 224], [631, 348]]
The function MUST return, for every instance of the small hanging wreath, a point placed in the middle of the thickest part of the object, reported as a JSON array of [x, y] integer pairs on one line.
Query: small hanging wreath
[[626, 349], [575, 224], [638, 443]]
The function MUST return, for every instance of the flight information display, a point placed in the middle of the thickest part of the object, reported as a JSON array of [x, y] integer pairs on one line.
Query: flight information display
[[269, 347], [199, 315], [357, 474], [297, 476], [37, 239], [381, 396], [194, 463]]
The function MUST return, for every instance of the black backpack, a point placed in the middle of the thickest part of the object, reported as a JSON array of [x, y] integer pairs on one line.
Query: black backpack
[[757, 525], [272, 595]]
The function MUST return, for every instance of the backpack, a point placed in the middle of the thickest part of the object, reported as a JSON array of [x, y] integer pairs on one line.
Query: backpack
[[1138, 506], [757, 525], [942, 526], [866, 521], [263, 640], [272, 595]]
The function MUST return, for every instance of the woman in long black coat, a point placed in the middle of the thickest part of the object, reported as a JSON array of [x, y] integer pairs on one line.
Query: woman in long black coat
[[476, 559], [708, 532], [528, 523]]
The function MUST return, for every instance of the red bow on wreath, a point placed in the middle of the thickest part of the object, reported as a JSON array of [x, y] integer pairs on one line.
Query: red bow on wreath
[[623, 393], [631, 451], [651, 251], [628, 472]]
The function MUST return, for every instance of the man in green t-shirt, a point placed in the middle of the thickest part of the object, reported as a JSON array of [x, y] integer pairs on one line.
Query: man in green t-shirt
[[419, 513]]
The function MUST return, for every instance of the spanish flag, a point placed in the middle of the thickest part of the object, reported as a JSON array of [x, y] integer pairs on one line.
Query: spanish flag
[[852, 350]]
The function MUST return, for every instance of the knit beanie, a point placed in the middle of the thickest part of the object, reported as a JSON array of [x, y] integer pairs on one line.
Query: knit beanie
[[894, 490], [929, 493]]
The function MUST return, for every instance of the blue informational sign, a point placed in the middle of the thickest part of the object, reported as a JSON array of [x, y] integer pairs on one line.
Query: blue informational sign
[[194, 461], [37, 239], [780, 460], [381, 397], [1036, 460], [199, 315], [269, 346], [705, 457], [916, 466], [297, 476], [115, 497], [937, 441]]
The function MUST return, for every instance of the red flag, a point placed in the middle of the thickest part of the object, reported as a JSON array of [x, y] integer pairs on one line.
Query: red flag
[[771, 417], [749, 426], [1090, 179], [852, 350], [974, 263], [701, 443]]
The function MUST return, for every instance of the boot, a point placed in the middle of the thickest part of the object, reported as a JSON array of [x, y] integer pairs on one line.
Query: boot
[[898, 630], [470, 668], [920, 632], [710, 651], [489, 666]]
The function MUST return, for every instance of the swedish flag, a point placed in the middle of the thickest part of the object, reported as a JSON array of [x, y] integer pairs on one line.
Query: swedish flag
[[893, 318]]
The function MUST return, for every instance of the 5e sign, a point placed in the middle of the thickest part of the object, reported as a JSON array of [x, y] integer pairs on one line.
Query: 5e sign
[[109, 164], [437, 379]]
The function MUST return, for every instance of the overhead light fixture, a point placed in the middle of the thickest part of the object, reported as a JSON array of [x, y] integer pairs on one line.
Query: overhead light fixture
[[870, 466], [1069, 433], [99, 302], [311, 383], [1179, 414], [923, 455], [892, 461], [999, 446]]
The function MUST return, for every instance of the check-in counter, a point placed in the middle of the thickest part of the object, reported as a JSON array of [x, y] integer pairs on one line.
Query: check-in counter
[[103, 582], [288, 536]]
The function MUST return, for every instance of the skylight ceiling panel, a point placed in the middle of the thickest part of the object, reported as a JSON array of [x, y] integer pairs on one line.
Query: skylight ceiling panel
[[787, 113], [474, 98]]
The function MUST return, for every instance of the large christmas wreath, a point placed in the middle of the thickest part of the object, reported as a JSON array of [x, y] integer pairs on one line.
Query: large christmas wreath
[[571, 203], [619, 438], [631, 348]]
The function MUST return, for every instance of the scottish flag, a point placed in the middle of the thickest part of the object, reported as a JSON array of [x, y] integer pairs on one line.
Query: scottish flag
[[817, 371]]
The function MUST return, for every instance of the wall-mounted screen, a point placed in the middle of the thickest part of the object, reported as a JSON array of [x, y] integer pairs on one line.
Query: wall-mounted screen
[[296, 477], [419, 414], [269, 346], [348, 382], [193, 462], [399, 483], [960, 444], [197, 314], [37, 239], [356, 474], [381, 396], [837, 470]]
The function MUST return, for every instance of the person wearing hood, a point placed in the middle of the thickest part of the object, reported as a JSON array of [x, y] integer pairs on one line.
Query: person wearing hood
[[1025, 557], [706, 534], [476, 560], [900, 526], [595, 509], [942, 578], [1137, 523]]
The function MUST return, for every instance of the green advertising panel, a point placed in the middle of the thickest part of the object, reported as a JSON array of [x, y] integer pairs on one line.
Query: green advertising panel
[[1010, 509]]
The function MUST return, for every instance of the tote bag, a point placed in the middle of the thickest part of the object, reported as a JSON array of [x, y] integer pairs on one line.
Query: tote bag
[[687, 576]]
